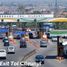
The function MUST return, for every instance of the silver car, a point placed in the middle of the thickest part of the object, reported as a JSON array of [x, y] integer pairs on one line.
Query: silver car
[[3, 53], [11, 49]]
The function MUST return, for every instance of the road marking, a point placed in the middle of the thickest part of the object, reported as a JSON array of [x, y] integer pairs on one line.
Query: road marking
[[34, 44]]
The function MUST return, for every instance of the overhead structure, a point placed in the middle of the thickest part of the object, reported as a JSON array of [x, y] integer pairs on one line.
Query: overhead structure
[[8, 20], [58, 20], [26, 18]]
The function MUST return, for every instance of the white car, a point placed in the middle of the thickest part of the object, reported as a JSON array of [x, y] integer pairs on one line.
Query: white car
[[11, 49], [54, 39], [3, 53]]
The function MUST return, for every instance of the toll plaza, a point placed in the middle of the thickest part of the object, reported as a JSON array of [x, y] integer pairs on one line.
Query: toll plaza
[[17, 22], [60, 34], [22, 22]]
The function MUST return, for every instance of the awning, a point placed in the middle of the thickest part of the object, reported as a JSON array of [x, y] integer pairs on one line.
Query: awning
[[8, 19], [58, 20]]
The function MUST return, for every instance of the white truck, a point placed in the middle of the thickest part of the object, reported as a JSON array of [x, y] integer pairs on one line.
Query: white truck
[[65, 48]]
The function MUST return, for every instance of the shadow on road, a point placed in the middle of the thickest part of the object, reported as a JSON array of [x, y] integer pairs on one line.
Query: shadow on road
[[54, 57], [50, 57], [65, 57]]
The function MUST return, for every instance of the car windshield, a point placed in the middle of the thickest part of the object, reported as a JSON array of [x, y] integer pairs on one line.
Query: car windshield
[[39, 57], [1, 51], [54, 37], [10, 47]]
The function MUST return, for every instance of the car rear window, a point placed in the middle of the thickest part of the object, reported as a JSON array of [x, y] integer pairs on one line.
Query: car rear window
[[39, 57], [43, 41], [10, 47], [1, 51]]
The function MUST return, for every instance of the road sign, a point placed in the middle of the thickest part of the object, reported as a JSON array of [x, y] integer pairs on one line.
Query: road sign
[[58, 33]]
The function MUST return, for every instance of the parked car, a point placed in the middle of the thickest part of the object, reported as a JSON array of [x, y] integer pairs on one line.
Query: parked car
[[39, 58], [43, 43], [11, 49], [3, 53]]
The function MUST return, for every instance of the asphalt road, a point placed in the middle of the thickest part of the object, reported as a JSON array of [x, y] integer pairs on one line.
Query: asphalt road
[[19, 53], [50, 52]]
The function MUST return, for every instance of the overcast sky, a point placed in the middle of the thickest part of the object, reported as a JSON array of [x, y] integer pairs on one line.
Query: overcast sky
[[63, 2]]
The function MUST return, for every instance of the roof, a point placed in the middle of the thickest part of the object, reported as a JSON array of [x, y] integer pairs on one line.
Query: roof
[[58, 20]]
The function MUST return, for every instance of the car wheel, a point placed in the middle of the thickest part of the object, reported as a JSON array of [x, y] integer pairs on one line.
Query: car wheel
[[20, 46], [42, 62]]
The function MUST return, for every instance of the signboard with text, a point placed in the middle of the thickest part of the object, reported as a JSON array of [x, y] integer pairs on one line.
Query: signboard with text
[[58, 33]]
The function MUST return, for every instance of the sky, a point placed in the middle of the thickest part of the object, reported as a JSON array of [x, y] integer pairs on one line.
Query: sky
[[62, 2]]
